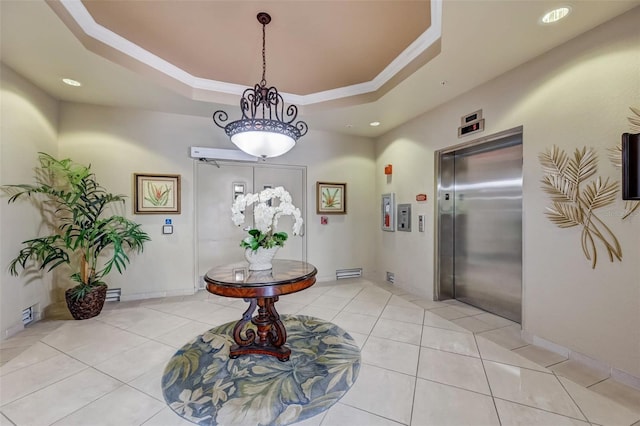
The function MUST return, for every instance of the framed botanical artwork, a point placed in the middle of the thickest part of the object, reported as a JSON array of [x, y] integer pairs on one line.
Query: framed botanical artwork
[[156, 194], [331, 198]]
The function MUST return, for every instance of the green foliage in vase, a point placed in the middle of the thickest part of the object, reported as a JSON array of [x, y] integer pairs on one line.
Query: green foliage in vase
[[267, 240], [76, 206]]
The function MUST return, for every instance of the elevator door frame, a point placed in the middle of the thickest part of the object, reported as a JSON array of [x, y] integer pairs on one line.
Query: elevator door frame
[[438, 293]]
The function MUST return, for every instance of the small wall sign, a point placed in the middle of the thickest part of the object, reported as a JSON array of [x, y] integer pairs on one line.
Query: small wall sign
[[421, 197]]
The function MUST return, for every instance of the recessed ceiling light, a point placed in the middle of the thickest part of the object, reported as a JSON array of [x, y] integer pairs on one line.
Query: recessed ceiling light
[[374, 124], [71, 82], [555, 15]]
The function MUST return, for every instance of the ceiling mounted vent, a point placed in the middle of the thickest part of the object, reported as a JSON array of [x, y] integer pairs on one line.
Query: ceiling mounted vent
[[348, 273]]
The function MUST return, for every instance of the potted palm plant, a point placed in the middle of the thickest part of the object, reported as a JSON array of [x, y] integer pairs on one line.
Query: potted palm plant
[[87, 236]]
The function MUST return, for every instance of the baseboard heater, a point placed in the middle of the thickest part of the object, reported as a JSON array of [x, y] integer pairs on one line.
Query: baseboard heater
[[113, 294], [348, 273]]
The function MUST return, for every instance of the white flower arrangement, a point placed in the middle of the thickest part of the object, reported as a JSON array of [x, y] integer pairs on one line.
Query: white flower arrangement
[[265, 217]]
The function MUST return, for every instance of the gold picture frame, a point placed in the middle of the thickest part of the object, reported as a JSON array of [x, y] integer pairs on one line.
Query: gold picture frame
[[156, 194], [331, 198]]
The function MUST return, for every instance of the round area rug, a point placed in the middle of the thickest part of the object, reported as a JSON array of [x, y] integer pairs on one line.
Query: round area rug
[[203, 385]]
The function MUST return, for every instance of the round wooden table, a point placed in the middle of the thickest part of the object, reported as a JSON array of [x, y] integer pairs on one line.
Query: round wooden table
[[261, 289]]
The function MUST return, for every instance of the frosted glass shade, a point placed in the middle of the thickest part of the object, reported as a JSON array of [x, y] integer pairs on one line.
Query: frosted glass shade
[[263, 144]]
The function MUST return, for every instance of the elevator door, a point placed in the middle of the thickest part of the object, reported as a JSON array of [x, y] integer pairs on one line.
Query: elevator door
[[218, 238], [482, 218]]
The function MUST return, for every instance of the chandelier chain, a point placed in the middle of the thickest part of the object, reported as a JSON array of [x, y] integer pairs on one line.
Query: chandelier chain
[[264, 56]]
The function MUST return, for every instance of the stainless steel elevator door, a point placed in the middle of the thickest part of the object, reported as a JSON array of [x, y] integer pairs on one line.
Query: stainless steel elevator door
[[488, 227]]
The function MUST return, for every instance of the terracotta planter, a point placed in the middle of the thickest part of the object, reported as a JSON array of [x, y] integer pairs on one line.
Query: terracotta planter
[[89, 306]]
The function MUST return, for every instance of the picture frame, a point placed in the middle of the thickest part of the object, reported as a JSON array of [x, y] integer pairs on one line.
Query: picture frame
[[388, 207], [156, 194], [331, 198]]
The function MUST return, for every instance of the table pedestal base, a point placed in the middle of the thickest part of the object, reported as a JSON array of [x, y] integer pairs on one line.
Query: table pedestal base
[[271, 334]]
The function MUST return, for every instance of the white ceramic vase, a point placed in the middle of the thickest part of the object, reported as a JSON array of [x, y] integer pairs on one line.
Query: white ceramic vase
[[260, 260]]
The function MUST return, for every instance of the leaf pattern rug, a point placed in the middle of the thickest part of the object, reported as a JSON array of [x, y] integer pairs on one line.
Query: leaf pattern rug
[[203, 385]]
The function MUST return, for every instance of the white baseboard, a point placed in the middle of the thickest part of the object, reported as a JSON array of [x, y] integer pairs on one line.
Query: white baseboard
[[156, 294]]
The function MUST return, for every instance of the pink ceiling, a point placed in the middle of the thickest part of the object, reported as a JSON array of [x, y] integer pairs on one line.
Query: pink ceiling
[[312, 46]]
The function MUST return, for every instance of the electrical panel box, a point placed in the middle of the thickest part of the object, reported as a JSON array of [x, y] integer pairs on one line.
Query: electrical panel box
[[404, 217]]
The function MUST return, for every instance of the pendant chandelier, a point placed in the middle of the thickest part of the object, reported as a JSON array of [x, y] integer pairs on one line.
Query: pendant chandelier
[[267, 128]]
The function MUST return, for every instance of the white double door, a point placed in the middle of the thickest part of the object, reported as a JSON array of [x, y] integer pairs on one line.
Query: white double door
[[218, 237]]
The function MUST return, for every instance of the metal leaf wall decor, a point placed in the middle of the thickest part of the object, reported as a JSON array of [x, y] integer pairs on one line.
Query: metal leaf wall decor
[[576, 195]]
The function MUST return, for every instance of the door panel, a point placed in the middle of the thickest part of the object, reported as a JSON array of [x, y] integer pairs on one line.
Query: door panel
[[218, 238], [488, 227]]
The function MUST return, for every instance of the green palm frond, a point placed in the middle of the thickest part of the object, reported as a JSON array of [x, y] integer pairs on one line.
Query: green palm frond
[[565, 215], [599, 194]]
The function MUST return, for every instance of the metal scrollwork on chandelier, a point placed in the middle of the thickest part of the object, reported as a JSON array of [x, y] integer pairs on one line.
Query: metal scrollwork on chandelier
[[267, 128]]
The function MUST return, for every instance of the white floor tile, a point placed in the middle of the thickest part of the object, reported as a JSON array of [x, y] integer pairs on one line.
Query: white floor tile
[[110, 345], [382, 392], [442, 405], [396, 356], [54, 402], [404, 314], [450, 341], [495, 320], [133, 342], [448, 313], [123, 406], [494, 352], [365, 307], [342, 415], [178, 337], [134, 362], [434, 320], [599, 409], [472, 324], [528, 387], [150, 382], [318, 312], [27, 380], [620, 393], [578, 373], [331, 302], [540, 355], [4, 421], [452, 369], [521, 415], [36, 353], [356, 323], [509, 337], [398, 330], [167, 417]]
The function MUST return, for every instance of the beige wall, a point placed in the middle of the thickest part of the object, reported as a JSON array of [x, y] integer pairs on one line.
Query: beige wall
[[28, 125], [121, 142], [575, 95]]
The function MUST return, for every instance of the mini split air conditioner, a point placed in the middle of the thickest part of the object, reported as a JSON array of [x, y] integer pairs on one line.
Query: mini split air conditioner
[[200, 153]]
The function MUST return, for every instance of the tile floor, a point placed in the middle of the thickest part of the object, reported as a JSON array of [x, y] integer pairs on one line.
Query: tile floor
[[423, 363]]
